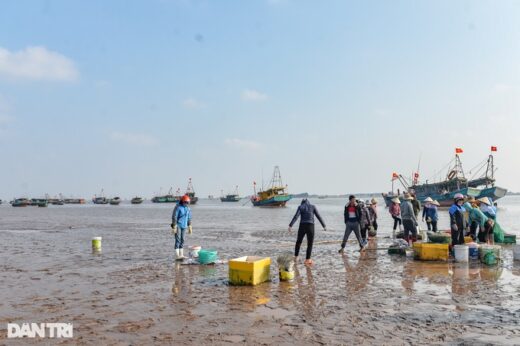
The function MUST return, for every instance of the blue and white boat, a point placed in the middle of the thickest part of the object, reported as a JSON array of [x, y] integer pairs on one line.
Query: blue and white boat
[[455, 182]]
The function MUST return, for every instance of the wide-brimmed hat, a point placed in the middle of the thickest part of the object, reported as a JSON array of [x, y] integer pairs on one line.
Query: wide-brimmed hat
[[373, 201], [408, 197], [428, 199], [436, 203], [484, 200], [396, 200]]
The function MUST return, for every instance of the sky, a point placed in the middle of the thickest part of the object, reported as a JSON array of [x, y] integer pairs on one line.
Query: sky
[[135, 97]]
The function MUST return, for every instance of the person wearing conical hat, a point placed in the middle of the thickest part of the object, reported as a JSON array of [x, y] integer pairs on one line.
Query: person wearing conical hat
[[430, 214], [373, 213], [477, 220], [487, 207], [395, 212]]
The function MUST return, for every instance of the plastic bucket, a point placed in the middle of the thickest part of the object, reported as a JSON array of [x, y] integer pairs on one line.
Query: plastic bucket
[[490, 254], [516, 252], [473, 253], [194, 251], [96, 243], [461, 253], [286, 275], [207, 256]]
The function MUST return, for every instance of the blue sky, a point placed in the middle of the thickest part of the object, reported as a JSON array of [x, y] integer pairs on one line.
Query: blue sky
[[134, 96]]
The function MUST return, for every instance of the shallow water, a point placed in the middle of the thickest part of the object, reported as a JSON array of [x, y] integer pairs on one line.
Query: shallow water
[[134, 292]]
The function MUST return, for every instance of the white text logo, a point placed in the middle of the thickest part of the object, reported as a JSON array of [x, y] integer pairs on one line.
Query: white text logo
[[41, 330]]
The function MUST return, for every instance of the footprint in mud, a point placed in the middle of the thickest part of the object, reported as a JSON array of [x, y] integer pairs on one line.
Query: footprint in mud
[[132, 327]]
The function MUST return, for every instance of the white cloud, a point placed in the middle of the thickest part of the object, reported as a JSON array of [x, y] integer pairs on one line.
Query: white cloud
[[253, 95], [191, 103], [37, 63], [243, 144], [137, 139]]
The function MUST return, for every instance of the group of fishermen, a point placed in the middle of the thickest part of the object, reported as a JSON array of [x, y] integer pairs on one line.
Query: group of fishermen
[[466, 217], [361, 218]]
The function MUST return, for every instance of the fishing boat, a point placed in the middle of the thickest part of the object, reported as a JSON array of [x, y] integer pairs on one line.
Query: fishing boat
[[20, 202], [190, 191], [39, 202], [74, 201], [275, 195], [232, 197], [100, 199], [454, 182], [115, 201], [137, 200], [168, 198]]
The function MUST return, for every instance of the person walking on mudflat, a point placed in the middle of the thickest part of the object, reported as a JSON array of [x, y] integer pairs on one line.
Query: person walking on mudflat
[[352, 216], [409, 220], [306, 212], [181, 221]]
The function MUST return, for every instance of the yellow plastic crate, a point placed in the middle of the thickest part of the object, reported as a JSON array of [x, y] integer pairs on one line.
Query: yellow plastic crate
[[431, 251], [249, 270]]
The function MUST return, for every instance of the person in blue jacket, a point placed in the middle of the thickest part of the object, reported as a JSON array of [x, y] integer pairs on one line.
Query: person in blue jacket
[[306, 212], [181, 221], [457, 222], [431, 214]]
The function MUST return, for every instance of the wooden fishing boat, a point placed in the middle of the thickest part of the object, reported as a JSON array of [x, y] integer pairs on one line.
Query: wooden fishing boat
[[20, 202], [137, 200], [454, 182], [115, 201], [232, 197], [101, 199], [274, 196]]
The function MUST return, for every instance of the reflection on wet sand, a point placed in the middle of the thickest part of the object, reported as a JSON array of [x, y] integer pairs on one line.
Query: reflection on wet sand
[[305, 292]]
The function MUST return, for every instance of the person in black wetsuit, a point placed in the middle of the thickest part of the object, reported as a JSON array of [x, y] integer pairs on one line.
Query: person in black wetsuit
[[306, 212]]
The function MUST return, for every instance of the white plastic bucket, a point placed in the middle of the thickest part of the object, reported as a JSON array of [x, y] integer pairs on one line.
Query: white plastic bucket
[[96, 243], [461, 253], [516, 252], [194, 251]]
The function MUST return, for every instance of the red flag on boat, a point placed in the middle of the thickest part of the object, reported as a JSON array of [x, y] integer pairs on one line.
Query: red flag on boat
[[395, 176], [458, 151], [493, 148]]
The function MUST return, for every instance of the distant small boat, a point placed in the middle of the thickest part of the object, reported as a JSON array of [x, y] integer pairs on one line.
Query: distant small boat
[[136, 200], [20, 202], [39, 202], [74, 201], [232, 197], [210, 197], [101, 199], [115, 201], [275, 195], [168, 198]]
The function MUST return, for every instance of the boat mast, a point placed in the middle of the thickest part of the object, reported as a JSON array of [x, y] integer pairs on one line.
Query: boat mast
[[490, 170], [276, 181]]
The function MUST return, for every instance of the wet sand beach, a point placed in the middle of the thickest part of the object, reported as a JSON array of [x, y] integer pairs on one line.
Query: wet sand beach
[[134, 293]]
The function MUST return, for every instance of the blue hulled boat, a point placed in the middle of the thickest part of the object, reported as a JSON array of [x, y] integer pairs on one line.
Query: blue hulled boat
[[455, 182]]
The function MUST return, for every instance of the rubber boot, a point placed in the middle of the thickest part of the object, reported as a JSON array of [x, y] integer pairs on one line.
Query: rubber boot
[[178, 255], [181, 253]]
